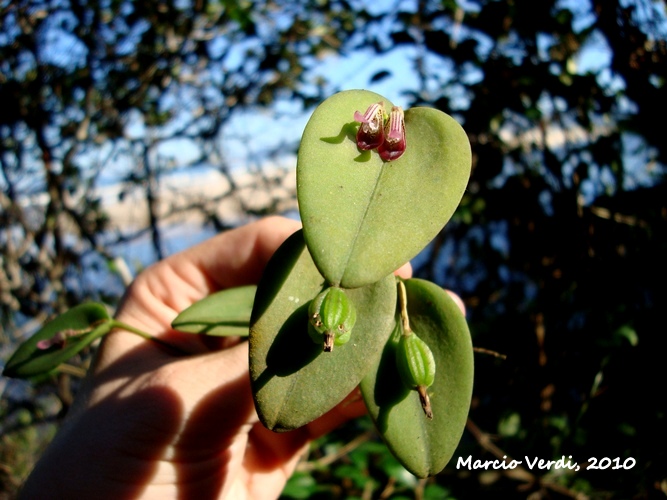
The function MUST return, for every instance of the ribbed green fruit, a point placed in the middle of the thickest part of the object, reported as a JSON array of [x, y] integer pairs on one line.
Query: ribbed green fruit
[[332, 317], [415, 361]]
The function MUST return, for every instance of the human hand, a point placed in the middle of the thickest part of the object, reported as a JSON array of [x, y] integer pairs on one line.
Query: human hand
[[154, 424]]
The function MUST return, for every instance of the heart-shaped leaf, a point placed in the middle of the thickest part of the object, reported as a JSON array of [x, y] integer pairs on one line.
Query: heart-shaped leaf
[[293, 380], [363, 217], [424, 446], [59, 340], [223, 313]]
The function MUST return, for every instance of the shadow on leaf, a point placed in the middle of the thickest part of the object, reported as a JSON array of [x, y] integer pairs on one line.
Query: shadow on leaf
[[363, 157], [276, 275], [389, 388], [292, 349], [348, 130]]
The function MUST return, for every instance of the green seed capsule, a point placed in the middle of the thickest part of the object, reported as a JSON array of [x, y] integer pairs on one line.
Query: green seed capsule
[[416, 366], [415, 361], [331, 316]]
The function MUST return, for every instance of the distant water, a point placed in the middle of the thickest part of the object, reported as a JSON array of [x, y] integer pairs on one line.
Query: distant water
[[140, 252]]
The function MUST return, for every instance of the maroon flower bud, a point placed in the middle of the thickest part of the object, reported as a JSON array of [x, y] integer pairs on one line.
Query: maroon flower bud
[[57, 340], [371, 131], [394, 142]]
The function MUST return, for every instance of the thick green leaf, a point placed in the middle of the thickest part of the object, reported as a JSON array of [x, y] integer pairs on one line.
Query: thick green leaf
[[424, 446], [293, 380], [81, 324], [362, 217], [223, 313]]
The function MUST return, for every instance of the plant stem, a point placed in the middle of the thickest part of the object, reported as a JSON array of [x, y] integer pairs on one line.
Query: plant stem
[[425, 401], [170, 347], [403, 300], [495, 354]]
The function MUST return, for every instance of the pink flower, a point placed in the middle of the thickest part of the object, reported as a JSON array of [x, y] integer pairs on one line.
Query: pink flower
[[371, 131], [393, 145], [57, 340]]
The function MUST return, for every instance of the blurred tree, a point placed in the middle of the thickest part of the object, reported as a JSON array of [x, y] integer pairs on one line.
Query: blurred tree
[[87, 86]]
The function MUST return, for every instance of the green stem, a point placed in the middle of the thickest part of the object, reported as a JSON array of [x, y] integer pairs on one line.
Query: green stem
[[403, 300], [170, 347]]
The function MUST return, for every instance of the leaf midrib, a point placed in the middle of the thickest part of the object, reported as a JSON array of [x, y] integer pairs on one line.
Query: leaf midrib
[[371, 199]]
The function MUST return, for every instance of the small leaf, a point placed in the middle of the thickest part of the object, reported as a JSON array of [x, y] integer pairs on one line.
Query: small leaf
[[224, 313], [78, 328], [299, 486], [364, 217], [424, 446], [293, 380], [628, 333], [510, 425]]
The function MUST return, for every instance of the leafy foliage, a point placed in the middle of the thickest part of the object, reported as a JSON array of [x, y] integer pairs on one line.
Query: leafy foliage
[[59, 340], [293, 380], [424, 446], [224, 313], [363, 210]]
